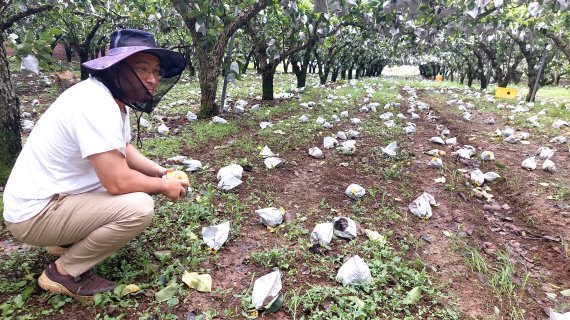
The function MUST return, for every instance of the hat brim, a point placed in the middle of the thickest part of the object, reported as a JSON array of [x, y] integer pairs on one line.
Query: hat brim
[[172, 62]]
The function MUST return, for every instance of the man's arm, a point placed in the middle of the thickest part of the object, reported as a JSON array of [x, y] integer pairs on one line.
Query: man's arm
[[118, 177], [142, 164]]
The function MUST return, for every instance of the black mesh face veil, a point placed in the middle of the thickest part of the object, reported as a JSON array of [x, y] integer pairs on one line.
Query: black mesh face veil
[[125, 86]]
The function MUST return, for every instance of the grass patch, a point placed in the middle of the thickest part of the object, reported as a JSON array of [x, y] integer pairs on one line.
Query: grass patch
[[500, 276], [395, 292], [208, 131], [166, 146]]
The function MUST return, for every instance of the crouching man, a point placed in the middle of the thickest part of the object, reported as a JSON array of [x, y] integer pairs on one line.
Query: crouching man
[[78, 183]]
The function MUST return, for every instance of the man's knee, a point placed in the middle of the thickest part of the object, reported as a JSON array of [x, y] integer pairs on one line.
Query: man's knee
[[142, 205]]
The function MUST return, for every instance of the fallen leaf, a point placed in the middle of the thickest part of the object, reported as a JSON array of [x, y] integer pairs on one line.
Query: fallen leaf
[[130, 288], [163, 254], [375, 236], [167, 292], [200, 282], [413, 296], [359, 303], [439, 180], [565, 293]]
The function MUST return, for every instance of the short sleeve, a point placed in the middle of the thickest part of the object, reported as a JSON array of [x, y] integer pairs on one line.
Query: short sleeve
[[99, 126]]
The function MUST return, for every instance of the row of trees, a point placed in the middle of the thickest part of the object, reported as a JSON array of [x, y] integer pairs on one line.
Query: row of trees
[[471, 40], [504, 41]]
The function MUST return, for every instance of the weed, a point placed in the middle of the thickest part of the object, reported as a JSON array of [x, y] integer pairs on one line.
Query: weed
[[383, 297], [500, 276], [274, 257]]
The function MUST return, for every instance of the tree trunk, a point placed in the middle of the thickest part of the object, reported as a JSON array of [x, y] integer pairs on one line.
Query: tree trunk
[[510, 74], [210, 56], [302, 76], [208, 88], [191, 68], [381, 68], [470, 75], [267, 83], [68, 52], [247, 60], [321, 69], [83, 57], [480, 70], [300, 72], [557, 75], [295, 67], [530, 85], [325, 75], [334, 75], [10, 135]]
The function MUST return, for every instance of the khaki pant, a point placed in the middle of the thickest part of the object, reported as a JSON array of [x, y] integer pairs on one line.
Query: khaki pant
[[96, 223]]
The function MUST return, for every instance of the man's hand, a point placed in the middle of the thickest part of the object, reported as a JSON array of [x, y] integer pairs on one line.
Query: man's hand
[[173, 188]]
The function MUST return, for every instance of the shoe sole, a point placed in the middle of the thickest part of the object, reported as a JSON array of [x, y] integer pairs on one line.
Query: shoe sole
[[56, 251], [57, 288]]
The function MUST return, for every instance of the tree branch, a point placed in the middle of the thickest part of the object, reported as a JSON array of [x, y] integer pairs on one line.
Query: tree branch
[[4, 6], [563, 45], [93, 31], [19, 16], [241, 20]]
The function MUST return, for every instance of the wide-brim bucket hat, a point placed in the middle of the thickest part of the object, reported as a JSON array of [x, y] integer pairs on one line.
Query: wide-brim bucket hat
[[126, 42]]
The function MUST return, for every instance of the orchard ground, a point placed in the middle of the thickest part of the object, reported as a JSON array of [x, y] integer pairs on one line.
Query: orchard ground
[[507, 258]]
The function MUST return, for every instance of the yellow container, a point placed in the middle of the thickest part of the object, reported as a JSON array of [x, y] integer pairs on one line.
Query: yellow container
[[506, 93], [439, 78]]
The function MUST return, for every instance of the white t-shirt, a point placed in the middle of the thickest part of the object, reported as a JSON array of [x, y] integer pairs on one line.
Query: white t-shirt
[[84, 120]]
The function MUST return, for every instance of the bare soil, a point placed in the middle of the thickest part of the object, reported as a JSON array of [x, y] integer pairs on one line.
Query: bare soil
[[521, 220]]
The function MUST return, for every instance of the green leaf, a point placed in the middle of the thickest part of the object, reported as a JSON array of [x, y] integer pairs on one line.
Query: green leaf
[[118, 289], [565, 293], [24, 48], [55, 31], [167, 293], [19, 301], [413, 296], [275, 305], [172, 301]]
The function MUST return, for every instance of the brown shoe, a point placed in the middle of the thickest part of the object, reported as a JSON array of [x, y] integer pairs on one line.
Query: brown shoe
[[80, 288]]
